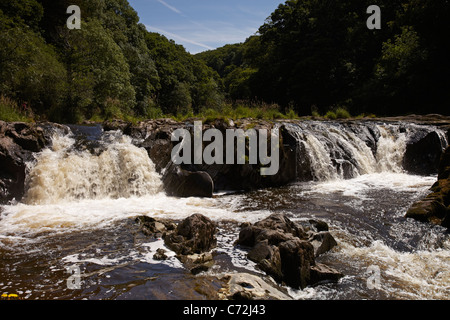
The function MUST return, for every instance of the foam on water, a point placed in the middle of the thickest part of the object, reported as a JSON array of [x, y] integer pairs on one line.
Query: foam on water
[[359, 186], [75, 191]]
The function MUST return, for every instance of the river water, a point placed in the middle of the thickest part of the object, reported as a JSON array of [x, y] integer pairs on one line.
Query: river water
[[77, 218]]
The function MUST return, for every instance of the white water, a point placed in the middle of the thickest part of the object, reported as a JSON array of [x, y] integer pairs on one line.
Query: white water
[[62, 175], [325, 144], [74, 191]]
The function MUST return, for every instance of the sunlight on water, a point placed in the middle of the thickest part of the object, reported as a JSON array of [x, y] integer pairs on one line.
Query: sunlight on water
[[76, 199]]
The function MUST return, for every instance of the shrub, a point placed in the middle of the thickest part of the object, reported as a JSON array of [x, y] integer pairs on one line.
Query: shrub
[[330, 115], [10, 111], [342, 113]]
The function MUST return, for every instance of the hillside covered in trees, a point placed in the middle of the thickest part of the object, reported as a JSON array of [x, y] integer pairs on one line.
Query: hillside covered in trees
[[315, 55], [110, 68], [309, 57]]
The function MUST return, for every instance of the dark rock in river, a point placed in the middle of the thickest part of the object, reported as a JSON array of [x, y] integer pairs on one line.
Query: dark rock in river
[[195, 234], [183, 183], [156, 228], [435, 207], [192, 240], [423, 152], [320, 273], [155, 137], [286, 250]]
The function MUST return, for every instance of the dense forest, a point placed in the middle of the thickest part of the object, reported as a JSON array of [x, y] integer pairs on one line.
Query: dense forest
[[309, 57], [316, 55]]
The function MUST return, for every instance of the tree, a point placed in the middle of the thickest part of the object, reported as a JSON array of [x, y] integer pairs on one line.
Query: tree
[[30, 71], [97, 72]]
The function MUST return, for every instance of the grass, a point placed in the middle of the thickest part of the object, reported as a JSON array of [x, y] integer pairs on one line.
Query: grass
[[242, 110], [11, 112], [340, 113]]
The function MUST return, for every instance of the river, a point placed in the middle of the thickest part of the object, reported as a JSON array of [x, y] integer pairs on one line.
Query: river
[[77, 218]]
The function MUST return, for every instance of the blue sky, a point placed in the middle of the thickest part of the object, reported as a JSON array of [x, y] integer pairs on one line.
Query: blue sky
[[201, 25]]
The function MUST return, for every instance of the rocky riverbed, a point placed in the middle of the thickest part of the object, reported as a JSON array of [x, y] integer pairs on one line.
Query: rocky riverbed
[[105, 198]]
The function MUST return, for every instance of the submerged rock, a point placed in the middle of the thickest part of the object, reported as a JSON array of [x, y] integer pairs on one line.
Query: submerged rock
[[156, 228]]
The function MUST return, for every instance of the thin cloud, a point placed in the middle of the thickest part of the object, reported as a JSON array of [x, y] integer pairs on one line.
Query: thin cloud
[[180, 38], [169, 6]]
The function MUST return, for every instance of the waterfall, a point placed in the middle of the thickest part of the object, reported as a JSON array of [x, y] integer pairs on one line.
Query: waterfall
[[391, 148], [65, 173], [333, 150], [113, 167]]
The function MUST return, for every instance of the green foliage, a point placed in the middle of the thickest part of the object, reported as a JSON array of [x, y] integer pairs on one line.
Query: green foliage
[[342, 113], [320, 53], [309, 56], [99, 73], [30, 70], [10, 111], [331, 115], [111, 67], [187, 84]]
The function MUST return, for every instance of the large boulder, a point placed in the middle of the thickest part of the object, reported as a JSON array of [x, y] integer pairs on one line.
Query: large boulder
[[192, 240], [297, 257], [286, 250], [435, 207], [423, 152], [195, 234], [179, 182]]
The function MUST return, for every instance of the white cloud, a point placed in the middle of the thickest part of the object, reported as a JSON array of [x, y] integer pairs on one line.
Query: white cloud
[[178, 37], [169, 6]]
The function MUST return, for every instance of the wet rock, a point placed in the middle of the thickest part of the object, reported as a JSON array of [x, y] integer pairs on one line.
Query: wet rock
[[245, 286], [195, 234], [191, 240], [156, 228], [18, 142], [321, 273], [444, 165], [435, 207], [268, 259], [276, 228], [182, 183], [297, 256], [197, 263], [160, 254], [423, 152], [318, 225], [322, 242], [286, 250], [281, 223], [114, 125]]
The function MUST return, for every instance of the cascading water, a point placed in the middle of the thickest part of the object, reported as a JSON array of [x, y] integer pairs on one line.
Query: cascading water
[[337, 151], [64, 174], [82, 197]]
